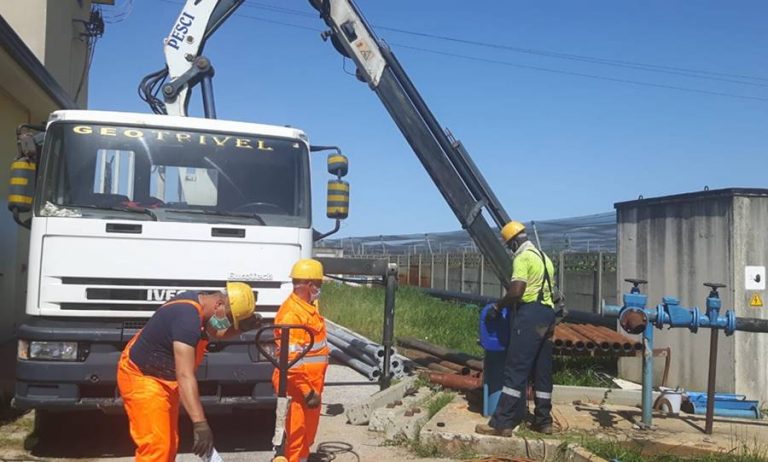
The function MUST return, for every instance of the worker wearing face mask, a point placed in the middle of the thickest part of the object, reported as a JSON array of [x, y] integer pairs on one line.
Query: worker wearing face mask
[[306, 377], [156, 370]]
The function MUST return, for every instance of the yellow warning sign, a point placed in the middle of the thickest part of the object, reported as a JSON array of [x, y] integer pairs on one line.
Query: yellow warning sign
[[756, 301]]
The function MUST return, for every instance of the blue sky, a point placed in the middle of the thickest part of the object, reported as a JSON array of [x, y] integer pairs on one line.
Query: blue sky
[[551, 144]]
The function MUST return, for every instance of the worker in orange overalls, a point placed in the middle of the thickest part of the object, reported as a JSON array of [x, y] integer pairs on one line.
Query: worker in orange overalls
[[307, 377], [157, 367]]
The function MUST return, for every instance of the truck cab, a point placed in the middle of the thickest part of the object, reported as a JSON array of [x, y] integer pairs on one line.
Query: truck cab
[[131, 209]]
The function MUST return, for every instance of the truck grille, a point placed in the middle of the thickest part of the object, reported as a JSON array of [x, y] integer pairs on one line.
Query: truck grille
[[136, 295]]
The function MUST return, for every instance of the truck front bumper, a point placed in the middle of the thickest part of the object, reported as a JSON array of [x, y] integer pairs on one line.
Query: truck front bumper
[[233, 375]]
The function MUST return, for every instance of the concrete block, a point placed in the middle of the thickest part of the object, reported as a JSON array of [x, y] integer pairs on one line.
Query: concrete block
[[388, 416], [360, 414], [566, 394]]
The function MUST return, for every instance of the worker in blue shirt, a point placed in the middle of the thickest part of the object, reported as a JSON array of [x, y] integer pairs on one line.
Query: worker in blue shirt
[[529, 352], [156, 371]]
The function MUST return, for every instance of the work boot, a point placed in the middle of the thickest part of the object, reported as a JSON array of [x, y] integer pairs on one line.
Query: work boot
[[544, 429], [485, 429]]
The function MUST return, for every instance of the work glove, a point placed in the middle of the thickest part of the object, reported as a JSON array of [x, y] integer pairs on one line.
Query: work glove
[[250, 323], [313, 399], [203, 439]]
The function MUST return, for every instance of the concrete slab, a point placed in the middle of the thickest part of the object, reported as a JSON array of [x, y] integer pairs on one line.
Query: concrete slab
[[566, 394], [388, 419], [360, 413], [452, 431]]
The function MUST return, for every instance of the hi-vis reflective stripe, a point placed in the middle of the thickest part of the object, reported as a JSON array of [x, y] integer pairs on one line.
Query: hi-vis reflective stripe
[[511, 392], [20, 181], [312, 360], [543, 395], [296, 348]]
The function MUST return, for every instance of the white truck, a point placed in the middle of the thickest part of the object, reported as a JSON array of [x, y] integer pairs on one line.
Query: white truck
[[130, 209]]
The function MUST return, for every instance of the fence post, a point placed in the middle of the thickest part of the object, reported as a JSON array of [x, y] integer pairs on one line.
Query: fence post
[[418, 284], [408, 273], [561, 271], [463, 263], [432, 271], [447, 261], [482, 273], [599, 281]]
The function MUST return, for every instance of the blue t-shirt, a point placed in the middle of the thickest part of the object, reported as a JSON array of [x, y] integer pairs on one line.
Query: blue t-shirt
[[153, 350]]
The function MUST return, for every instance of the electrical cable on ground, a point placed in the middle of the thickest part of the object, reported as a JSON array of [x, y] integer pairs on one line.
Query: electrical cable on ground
[[331, 449]]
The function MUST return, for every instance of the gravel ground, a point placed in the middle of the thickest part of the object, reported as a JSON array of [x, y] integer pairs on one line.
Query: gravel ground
[[239, 437]]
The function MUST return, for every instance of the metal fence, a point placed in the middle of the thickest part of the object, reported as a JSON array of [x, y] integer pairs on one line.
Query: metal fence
[[585, 279]]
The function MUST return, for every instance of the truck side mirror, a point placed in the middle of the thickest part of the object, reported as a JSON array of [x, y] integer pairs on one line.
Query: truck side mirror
[[338, 199]]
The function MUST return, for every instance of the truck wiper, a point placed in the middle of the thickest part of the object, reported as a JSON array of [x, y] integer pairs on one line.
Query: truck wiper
[[142, 210], [219, 213]]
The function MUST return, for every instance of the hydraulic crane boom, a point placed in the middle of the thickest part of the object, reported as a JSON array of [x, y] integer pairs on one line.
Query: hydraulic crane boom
[[445, 158]]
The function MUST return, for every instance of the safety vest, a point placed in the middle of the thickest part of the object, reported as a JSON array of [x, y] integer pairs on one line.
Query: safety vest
[[307, 315]]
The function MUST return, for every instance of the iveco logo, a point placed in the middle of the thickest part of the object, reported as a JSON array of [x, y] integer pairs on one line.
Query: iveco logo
[[162, 295]]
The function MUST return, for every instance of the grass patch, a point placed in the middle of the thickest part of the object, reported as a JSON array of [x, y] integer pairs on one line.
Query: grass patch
[[448, 324], [585, 371], [439, 402], [361, 309], [628, 451]]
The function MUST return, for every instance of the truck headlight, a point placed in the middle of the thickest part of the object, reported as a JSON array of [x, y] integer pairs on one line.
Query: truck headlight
[[57, 351]]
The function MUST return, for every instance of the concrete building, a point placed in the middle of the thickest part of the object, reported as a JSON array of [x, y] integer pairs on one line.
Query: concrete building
[[42, 59], [679, 242]]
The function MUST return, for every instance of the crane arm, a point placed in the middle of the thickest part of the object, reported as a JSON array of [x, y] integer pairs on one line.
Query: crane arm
[[445, 159]]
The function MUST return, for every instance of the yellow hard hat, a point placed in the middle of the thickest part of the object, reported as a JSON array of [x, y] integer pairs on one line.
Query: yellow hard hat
[[242, 302], [308, 269], [511, 229]]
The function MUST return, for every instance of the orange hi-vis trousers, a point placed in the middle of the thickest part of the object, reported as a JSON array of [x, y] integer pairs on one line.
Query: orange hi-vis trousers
[[306, 375], [152, 405]]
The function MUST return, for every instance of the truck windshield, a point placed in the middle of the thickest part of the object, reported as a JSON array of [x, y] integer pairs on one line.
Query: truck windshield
[[96, 171]]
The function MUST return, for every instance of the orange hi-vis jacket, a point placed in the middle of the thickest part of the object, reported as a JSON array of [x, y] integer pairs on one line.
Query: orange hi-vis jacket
[[152, 404], [307, 375]]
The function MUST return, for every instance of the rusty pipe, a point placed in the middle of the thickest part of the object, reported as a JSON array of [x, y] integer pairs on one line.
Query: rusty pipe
[[455, 381], [446, 354], [425, 359]]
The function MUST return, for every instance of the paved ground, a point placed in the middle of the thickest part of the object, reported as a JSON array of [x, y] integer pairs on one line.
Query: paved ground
[[96, 437]]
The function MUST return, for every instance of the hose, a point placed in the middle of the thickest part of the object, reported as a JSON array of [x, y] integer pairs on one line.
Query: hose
[[328, 450]]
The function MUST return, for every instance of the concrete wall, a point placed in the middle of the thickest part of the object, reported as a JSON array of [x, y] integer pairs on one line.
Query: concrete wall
[[750, 248], [48, 28], [48, 32], [677, 244]]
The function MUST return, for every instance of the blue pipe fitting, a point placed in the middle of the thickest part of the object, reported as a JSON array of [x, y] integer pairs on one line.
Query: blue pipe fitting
[[730, 322], [713, 307]]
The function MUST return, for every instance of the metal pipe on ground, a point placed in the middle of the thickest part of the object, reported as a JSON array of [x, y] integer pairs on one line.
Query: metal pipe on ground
[[361, 343], [351, 350], [372, 373], [596, 337], [455, 381], [418, 355], [447, 354]]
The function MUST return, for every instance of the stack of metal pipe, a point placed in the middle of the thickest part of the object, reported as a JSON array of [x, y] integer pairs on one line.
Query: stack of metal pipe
[[361, 354]]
